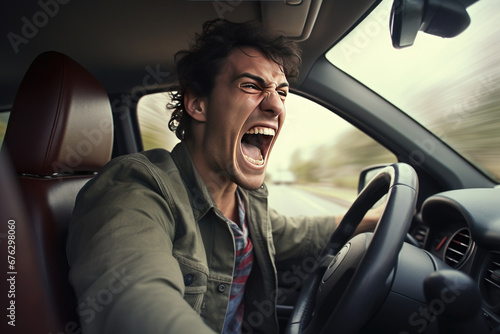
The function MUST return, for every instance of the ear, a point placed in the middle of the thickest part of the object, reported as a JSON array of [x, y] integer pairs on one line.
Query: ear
[[195, 106]]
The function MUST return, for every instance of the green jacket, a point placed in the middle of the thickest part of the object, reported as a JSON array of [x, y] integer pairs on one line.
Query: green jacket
[[150, 252]]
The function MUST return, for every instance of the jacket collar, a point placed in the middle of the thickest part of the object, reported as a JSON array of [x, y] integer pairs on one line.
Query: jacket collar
[[201, 200]]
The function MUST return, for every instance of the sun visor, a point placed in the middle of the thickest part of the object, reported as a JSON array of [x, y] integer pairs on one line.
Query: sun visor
[[294, 18]]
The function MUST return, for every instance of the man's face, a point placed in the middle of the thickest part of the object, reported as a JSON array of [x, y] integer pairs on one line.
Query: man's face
[[245, 112]]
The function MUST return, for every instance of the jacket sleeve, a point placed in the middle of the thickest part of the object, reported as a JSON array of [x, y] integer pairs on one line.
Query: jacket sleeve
[[120, 252], [298, 237]]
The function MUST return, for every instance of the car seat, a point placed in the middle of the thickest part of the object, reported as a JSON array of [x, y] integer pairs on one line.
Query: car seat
[[59, 134]]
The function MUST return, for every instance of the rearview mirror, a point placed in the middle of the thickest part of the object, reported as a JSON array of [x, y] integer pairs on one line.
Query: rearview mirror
[[444, 18]]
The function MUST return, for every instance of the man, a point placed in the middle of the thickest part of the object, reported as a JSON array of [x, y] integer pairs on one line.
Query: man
[[184, 242]]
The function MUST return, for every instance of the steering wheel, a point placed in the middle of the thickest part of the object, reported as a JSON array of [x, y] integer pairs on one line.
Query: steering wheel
[[356, 274]]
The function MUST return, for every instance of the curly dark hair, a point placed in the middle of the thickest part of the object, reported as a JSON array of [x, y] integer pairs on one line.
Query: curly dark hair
[[198, 66]]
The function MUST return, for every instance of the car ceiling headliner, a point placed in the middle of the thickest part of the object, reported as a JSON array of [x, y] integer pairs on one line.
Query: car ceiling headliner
[[117, 40]]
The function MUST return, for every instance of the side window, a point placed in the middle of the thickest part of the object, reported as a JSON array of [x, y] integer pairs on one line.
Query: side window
[[4, 118], [153, 119], [315, 163]]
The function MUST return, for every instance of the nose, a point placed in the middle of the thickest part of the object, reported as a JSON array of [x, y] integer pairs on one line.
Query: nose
[[272, 102]]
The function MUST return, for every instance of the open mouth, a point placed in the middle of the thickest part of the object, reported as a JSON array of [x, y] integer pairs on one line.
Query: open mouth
[[255, 144]]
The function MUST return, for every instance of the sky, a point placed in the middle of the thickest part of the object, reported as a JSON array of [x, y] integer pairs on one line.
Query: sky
[[431, 63]]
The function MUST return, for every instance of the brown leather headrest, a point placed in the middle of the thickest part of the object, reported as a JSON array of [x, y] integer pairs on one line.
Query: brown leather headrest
[[61, 119]]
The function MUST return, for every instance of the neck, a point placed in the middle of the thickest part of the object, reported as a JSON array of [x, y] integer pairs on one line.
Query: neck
[[222, 189]]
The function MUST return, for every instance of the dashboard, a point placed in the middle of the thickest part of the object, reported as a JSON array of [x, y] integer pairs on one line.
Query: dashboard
[[462, 228]]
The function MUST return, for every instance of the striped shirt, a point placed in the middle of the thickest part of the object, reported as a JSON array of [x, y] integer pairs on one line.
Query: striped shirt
[[242, 268]]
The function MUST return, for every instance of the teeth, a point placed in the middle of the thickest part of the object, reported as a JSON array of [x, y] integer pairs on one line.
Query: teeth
[[262, 131], [259, 162]]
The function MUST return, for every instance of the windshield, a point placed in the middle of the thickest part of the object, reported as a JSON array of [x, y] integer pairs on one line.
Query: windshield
[[451, 86]]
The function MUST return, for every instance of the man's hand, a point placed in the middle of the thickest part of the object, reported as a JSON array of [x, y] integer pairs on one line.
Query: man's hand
[[369, 221]]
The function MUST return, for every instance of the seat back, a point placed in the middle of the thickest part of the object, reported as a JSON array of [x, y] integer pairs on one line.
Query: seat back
[[60, 133], [23, 288]]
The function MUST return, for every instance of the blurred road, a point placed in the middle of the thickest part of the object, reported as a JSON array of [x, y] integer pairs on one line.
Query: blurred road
[[293, 202]]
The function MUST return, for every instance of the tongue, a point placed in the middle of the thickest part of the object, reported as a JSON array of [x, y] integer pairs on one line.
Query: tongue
[[251, 151]]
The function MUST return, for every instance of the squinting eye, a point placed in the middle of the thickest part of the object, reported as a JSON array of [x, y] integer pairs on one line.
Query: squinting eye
[[250, 87], [283, 94]]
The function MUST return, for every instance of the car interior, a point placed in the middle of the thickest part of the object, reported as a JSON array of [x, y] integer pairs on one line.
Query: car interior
[[73, 73]]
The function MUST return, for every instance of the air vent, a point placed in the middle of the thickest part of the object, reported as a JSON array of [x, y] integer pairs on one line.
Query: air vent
[[420, 233], [490, 284], [458, 249]]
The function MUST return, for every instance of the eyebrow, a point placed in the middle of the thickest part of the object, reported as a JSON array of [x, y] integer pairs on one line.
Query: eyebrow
[[260, 80]]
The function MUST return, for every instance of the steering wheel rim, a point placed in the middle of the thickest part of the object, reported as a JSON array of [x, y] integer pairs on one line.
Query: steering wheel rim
[[366, 288]]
